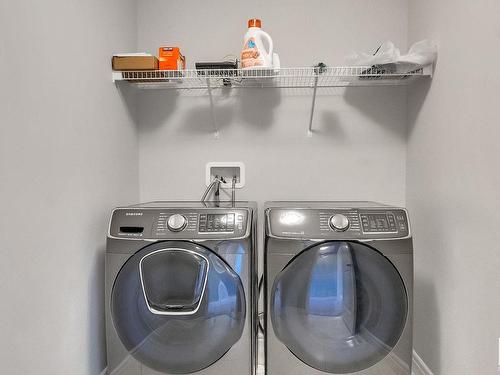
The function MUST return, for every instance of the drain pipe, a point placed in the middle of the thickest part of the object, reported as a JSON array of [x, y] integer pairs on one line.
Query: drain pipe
[[233, 191]]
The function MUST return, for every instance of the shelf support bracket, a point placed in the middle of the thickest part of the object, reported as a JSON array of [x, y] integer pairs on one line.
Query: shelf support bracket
[[212, 110], [309, 130], [428, 70]]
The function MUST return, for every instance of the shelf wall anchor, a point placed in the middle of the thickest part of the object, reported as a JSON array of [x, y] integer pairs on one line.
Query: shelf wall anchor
[[212, 110], [309, 130]]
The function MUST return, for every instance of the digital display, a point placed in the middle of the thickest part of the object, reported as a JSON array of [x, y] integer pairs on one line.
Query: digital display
[[216, 223], [378, 223]]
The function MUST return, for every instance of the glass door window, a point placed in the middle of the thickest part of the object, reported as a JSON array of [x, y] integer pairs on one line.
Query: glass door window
[[340, 307], [178, 307]]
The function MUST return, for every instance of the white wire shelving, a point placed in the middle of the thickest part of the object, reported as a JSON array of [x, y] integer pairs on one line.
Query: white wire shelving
[[289, 78], [279, 78]]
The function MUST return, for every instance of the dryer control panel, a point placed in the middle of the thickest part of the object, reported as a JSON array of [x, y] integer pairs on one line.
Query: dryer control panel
[[338, 223], [179, 223]]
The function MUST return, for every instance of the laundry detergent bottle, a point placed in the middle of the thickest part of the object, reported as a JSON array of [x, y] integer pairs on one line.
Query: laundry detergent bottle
[[258, 47]]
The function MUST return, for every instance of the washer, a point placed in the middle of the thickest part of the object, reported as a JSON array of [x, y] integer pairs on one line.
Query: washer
[[339, 279], [180, 289]]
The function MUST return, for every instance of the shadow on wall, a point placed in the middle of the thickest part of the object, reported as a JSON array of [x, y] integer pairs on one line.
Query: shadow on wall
[[96, 354], [416, 101], [198, 118], [374, 103], [128, 95], [328, 124], [257, 106], [155, 107], [429, 331], [151, 109], [253, 106]]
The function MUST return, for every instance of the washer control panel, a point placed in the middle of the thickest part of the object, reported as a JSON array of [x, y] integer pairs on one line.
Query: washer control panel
[[220, 223], [177, 222], [341, 223], [381, 222], [156, 223], [366, 222], [166, 223], [338, 220]]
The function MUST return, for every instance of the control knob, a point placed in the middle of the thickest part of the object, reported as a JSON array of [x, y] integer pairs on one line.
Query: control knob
[[339, 222], [176, 222]]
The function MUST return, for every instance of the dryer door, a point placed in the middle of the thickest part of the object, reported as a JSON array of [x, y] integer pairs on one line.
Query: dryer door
[[177, 307], [339, 307]]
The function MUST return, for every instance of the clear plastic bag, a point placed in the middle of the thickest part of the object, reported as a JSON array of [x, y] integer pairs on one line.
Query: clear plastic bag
[[421, 53], [388, 57], [387, 53]]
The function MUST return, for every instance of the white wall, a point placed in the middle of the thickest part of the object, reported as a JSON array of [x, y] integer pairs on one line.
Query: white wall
[[68, 154], [359, 150], [453, 182]]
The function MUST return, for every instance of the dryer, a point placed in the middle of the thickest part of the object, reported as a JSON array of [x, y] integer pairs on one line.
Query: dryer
[[338, 289], [180, 289]]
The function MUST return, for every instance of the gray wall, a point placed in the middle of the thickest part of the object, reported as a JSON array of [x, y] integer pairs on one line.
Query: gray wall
[[359, 150], [68, 154], [453, 183]]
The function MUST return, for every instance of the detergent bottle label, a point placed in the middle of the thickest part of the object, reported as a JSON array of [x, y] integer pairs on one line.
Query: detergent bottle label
[[250, 56]]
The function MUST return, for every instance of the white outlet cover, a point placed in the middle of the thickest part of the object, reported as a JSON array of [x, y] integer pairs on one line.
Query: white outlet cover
[[230, 164]]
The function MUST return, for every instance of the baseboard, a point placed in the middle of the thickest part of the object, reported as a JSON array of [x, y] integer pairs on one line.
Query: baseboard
[[419, 367]]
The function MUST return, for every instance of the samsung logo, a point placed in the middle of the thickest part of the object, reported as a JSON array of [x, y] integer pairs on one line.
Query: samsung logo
[[133, 213]]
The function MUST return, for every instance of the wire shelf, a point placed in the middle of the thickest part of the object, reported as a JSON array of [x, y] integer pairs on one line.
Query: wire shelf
[[269, 78], [297, 79]]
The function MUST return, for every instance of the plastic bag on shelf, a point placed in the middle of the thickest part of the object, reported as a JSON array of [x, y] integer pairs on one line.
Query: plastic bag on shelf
[[388, 58], [421, 53], [387, 53]]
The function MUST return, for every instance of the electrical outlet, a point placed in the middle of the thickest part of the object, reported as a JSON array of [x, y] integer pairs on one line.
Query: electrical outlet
[[226, 170]]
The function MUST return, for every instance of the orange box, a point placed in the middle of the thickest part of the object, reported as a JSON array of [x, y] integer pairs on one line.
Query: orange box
[[171, 59]]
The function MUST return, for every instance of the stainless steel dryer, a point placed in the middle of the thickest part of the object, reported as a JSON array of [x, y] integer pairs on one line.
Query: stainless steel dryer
[[339, 278], [180, 289]]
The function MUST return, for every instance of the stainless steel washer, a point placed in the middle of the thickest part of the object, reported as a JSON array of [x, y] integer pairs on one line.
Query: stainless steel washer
[[180, 289], [338, 284]]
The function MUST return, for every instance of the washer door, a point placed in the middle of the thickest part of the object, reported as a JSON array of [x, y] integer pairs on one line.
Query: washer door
[[339, 307], [177, 307]]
